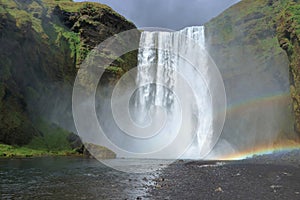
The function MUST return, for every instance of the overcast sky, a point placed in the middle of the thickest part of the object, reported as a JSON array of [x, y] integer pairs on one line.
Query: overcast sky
[[172, 14]]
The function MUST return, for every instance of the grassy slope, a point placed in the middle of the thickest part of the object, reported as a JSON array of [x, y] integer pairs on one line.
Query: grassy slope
[[9, 151], [247, 26], [52, 141], [53, 50], [29, 29], [243, 40]]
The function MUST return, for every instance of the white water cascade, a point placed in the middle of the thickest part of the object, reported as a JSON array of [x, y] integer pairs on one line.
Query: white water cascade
[[173, 104], [172, 76]]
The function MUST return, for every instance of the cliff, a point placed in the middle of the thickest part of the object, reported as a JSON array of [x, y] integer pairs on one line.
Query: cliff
[[288, 31], [249, 47], [255, 43], [42, 45]]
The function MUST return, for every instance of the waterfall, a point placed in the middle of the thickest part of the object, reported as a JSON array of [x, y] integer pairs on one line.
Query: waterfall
[[172, 105], [163, 74], [158, 59]]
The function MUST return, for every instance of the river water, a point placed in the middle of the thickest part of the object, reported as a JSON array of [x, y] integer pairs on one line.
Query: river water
[[72, 178]]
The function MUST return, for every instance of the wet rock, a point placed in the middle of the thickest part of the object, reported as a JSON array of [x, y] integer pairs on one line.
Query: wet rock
[[219, 189], [98, 152], [75, 143], [161, 179], [145, 179]]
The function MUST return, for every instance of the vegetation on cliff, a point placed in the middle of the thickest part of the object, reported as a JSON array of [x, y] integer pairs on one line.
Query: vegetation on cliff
[[246, 43], [248, 28], [288, 28], [42, 44]]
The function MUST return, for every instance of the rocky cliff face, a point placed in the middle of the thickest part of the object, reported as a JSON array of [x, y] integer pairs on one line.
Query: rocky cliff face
[[288, 29], [42, 44], [243, 41]]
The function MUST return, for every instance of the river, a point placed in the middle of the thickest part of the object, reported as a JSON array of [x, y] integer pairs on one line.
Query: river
[[71, 178]]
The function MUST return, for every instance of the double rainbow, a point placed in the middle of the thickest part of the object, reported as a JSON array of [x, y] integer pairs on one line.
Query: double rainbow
[[266, 101]]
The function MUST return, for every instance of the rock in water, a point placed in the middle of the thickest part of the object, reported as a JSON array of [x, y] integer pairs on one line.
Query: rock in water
[[99, 152]]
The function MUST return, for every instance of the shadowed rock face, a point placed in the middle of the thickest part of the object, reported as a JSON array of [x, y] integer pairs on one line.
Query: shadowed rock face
[[289, 38], [243, 41], [42, 42], [93, 24]]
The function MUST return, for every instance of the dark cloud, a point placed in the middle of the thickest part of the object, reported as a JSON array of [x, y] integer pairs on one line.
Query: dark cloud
[[172, 14]]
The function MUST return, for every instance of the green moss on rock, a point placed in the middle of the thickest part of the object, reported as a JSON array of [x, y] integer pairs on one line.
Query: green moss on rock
[[243, 41], [42, 44], [288, 28]]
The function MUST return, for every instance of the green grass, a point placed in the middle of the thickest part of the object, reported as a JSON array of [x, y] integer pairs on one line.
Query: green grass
[[8, 151], [53, 138], [8, 3], [33, 24], [72, 38], [294, 11], [21, 16], [70, 6], [52, 142], [253, 24], [30, 14], [115, 70]]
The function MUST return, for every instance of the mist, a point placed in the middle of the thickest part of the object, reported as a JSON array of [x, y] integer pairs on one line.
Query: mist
[[259, 114], [253, 119]]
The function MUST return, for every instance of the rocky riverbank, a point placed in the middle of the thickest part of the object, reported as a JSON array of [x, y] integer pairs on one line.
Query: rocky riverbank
[[273, 176]]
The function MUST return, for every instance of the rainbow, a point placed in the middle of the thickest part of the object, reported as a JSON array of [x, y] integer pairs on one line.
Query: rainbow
[[261, 102], [283, 98], [262, 150]]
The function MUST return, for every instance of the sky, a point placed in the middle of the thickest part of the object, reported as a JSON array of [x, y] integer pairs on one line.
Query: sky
[[170, 14]]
